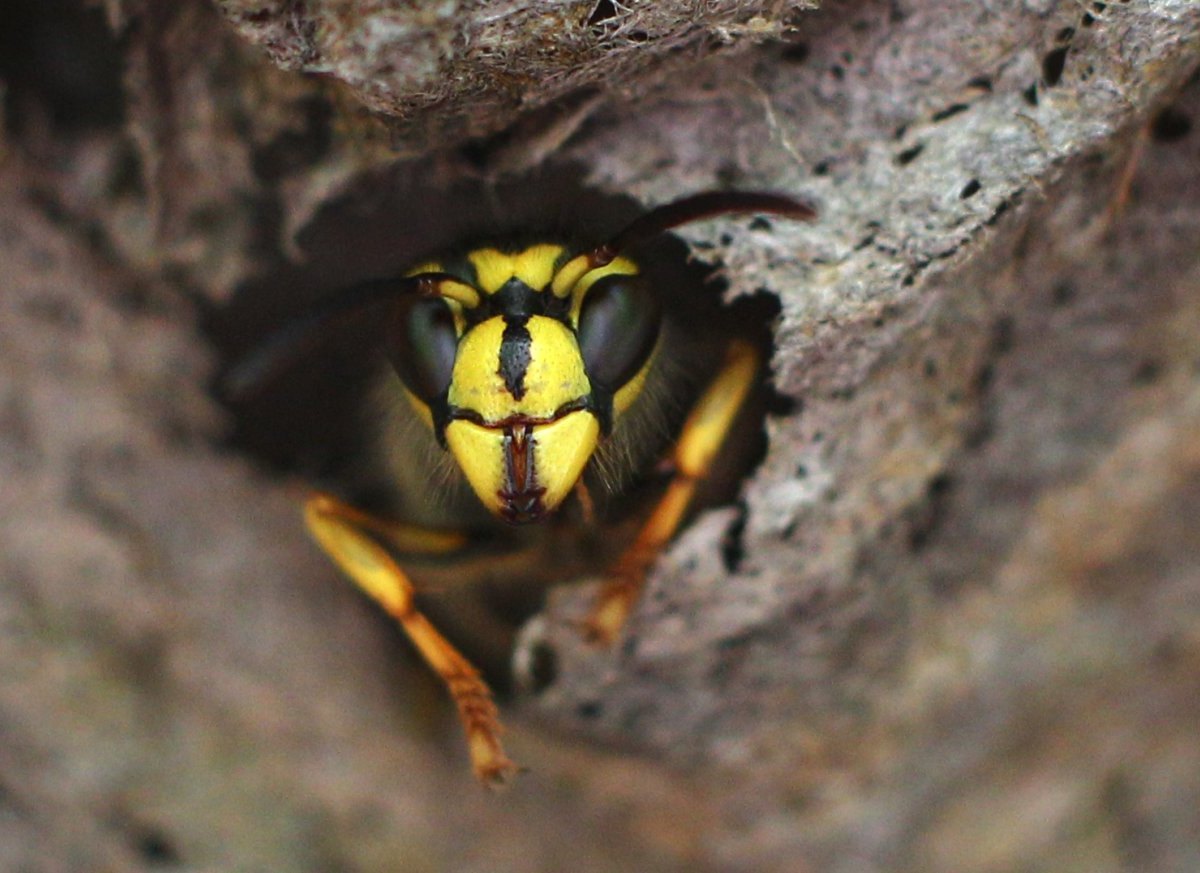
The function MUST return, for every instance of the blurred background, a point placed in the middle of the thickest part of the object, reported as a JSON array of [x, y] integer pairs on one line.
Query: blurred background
[[950, 619]]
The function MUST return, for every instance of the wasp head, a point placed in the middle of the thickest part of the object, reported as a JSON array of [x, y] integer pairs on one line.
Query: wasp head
[[519, 360]]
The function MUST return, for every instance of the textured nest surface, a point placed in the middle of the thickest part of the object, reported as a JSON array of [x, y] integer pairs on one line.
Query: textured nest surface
[[469, 68], [953, 620]]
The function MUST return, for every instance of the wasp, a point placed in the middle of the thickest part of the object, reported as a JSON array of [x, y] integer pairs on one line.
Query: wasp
[[533, 367]]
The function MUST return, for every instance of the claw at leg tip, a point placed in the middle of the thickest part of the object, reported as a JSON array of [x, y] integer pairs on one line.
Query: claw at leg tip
[[492, 767], [604, 624], [497, 774]]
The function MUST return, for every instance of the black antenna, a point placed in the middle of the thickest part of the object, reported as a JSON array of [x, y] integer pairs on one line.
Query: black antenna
[[697, 208], [291, 342]]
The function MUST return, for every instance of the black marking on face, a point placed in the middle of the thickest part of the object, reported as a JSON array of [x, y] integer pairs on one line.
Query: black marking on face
[[515, 299], [521, 497], [518, 300], [515, 355]]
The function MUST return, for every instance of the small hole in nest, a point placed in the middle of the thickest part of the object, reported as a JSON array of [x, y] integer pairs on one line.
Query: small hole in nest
[[1053, 64], [909, 155], [155, 848], [589, 709], [950, 111], [1170, 125], [543, 667], [796, 54], [970, 189], [1147, 372], [937, 493], [733, 550], [603, 12], [1062, 294]]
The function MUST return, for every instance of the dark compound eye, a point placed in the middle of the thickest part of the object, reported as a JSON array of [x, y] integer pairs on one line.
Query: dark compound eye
[[421, 343], [618, 326]]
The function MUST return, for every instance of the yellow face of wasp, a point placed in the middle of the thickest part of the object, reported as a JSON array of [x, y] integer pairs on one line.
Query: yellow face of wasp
[[533, 437], [513, 399]]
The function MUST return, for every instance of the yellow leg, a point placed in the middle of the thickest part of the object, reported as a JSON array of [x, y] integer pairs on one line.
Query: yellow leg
[[338, 529], [408, 539], [702, 436]]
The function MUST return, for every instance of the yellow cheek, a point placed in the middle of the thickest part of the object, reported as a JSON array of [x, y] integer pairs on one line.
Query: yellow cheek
[[561, 451], [479, 452], [629, 392]]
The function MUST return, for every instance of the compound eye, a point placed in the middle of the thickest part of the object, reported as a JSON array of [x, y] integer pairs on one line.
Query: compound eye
[[618, 326], [421, 343]]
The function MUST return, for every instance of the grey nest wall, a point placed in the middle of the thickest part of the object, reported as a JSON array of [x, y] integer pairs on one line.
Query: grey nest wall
[[953, 620]]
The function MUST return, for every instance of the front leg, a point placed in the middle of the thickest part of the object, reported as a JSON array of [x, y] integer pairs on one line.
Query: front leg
[[340, 531], [702, 436]]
